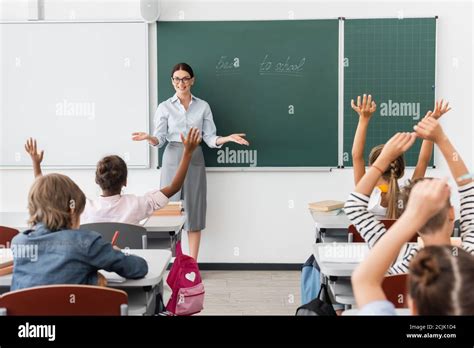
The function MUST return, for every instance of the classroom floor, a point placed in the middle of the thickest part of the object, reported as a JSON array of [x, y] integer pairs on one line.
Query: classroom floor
[[249, 292]]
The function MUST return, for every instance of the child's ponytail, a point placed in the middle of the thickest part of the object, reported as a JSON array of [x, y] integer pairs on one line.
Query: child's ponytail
[[396, 172], [392, 174]]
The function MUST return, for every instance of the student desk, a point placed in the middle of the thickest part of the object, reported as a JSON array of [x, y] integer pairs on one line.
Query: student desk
[[157, 226], [331, 221], [141, 292], [337, 274], [333, 269], [332, 226], [164, 226]]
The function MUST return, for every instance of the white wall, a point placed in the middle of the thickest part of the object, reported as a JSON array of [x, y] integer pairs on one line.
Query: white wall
[[250, 211]]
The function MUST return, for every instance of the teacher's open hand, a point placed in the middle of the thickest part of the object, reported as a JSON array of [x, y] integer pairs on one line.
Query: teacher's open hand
[[139, 136], [235, 138]]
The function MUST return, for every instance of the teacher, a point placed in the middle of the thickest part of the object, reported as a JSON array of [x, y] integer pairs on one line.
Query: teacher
[[175, 116]]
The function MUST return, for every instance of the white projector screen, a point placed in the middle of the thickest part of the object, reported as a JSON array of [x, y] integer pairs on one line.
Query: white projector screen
[[80, 88]]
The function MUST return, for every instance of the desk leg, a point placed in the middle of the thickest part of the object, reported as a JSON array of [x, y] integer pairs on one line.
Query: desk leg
[[320, 233], [150, 297], [160, 292]]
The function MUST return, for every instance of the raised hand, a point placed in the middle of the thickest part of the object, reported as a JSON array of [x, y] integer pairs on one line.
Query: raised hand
[[31, 148], [192, 140], [364, 108], [429, 129], [440, 109], [190, 143], [427, 198], [396, 146]]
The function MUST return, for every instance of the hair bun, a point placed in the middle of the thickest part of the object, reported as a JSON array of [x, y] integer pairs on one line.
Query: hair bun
[[426, 269], [111, 173]]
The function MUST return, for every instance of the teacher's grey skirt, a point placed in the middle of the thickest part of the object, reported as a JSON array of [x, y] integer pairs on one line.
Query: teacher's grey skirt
[[194, 189]]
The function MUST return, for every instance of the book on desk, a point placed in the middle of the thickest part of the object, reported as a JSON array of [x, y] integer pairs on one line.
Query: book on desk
[[171, 209], [326, 208]]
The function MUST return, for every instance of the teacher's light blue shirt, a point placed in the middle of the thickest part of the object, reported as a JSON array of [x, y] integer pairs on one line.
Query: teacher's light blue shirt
[[171, 119]]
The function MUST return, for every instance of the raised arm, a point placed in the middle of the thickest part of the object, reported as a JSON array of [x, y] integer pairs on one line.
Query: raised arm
[[426, 150], [364, 109], [430, 129], [426, 199], [190, 143], [36, 157], [102, 255], [394, 148]]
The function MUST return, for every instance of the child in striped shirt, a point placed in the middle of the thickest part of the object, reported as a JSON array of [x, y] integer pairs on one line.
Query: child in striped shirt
[[438, 229], [383, 199]]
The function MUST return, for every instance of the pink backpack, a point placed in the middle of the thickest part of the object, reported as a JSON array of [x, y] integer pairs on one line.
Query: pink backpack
[[186, 285]]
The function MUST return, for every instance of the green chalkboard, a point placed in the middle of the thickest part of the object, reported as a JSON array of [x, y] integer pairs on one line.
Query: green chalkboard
[[394, 60], [276, 81]]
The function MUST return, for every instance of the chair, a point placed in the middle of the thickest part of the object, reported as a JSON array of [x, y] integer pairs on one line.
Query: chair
[[395, 288], [65, 300], [131, 236], [357, 238], [6, 235]]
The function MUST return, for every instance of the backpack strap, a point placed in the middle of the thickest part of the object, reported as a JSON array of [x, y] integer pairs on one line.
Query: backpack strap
[[178, 250], [324, 294]]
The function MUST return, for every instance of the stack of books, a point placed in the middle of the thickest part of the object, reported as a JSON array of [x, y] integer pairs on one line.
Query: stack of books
[[171, 209], [326, 208]]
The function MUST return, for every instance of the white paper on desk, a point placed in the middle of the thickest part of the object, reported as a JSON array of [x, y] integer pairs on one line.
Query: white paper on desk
[[343, 253], [112, 277]]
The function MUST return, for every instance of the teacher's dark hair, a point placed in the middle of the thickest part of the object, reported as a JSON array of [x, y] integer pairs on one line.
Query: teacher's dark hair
[[183, 66], [111, 174]]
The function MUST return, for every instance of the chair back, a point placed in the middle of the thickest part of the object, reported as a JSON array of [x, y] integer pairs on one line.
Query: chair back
[[6, 235], [395, 288], [130, 236], [65, 300], [355, 237]]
